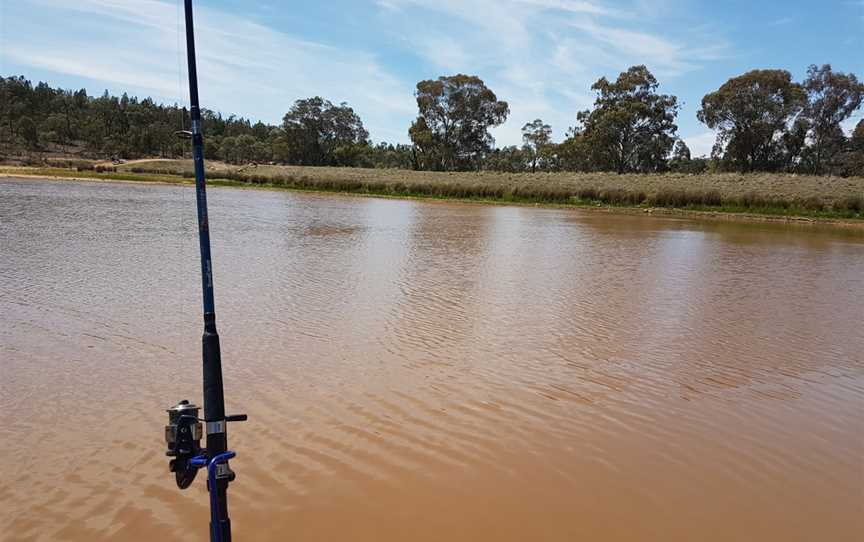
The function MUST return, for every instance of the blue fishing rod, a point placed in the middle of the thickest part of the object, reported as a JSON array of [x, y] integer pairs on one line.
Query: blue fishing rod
[[184, 430]]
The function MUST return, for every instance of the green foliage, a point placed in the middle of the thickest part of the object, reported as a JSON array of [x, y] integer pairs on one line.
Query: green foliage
[[243, 149], [765, 122], [386, 155], [456, 112], [681, 152], [574, 153], [318, 133], [832, 98], [632, 127], [536, 136], [751, 112], [103, 126], [510, 159], [682, 162], [26, 130], [852, 160], [314, 132]]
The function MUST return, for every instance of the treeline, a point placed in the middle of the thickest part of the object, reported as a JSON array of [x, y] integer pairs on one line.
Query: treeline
[[765, 121]]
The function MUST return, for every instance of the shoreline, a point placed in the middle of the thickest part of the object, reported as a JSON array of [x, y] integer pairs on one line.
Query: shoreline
[[854, 224]]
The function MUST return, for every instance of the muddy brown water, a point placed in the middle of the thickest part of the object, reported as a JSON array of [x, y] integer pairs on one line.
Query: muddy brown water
[[428, 371]]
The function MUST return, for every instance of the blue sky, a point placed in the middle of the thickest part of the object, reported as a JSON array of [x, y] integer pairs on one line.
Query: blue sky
[[257, 57]]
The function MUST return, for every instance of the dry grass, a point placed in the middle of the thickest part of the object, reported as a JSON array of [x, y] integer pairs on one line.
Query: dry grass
[[760, 190], [761, 193]]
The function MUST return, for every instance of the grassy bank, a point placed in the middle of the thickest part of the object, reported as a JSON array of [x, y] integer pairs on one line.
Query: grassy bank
[[763, 194]]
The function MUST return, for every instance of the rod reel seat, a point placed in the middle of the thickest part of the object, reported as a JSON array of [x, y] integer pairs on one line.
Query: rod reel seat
[[183, 436]]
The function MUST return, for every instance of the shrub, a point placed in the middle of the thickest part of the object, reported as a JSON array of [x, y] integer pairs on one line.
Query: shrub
[[668, 197], [851, 203], [682, 198], [752, 200], [619, 196], [588, 194], [813, 203], [80, 165], [713, 198]]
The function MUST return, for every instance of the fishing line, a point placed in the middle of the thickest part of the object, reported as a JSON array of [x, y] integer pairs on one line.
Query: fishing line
[[185, 429], [181, 103]]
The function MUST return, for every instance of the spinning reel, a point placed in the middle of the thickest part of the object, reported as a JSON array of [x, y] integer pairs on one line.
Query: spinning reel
[[183, 436]]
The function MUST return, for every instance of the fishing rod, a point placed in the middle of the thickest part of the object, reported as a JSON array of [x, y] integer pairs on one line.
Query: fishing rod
[[184, 430]]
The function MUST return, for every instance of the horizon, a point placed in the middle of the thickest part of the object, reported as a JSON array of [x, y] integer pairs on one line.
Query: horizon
[[541, 56]]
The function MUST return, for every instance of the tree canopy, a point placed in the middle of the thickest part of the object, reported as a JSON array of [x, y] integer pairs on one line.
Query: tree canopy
[[852, 162], [316, 132], [750, 113], [832, 98], [765, 121], [536, 136], [455, 115], [632, 127]]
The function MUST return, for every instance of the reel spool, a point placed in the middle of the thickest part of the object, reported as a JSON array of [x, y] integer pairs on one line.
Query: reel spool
[[183, 437]]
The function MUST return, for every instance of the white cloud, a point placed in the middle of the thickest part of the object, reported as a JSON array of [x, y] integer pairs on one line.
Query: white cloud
[[849, 124], [387, 4], [72, 62], [571, 6], [701, 144], [499, 21], [243, 67], [619, 46], [782, 21], [444, 51], [540, 55]]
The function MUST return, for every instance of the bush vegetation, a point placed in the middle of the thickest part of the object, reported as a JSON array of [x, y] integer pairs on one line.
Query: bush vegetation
[[765, 122], [774, 193]]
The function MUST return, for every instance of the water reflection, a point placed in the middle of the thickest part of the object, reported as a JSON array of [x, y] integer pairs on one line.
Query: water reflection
[[480, 372]]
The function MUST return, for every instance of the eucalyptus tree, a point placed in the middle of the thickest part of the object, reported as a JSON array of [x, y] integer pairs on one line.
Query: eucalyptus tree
[[509, 159], [536, 135], [832, 98], [680, 156], [751, 113], [27, 131], [632, 126], [574, 153], [456, 112], [317, 132], [853, 157]]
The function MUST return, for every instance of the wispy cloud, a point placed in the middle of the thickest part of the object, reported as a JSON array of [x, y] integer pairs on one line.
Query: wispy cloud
[[542, 55], [443, 51], [572, 6], [701, 144], [782, 21], [243, 66], [618, 46]]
